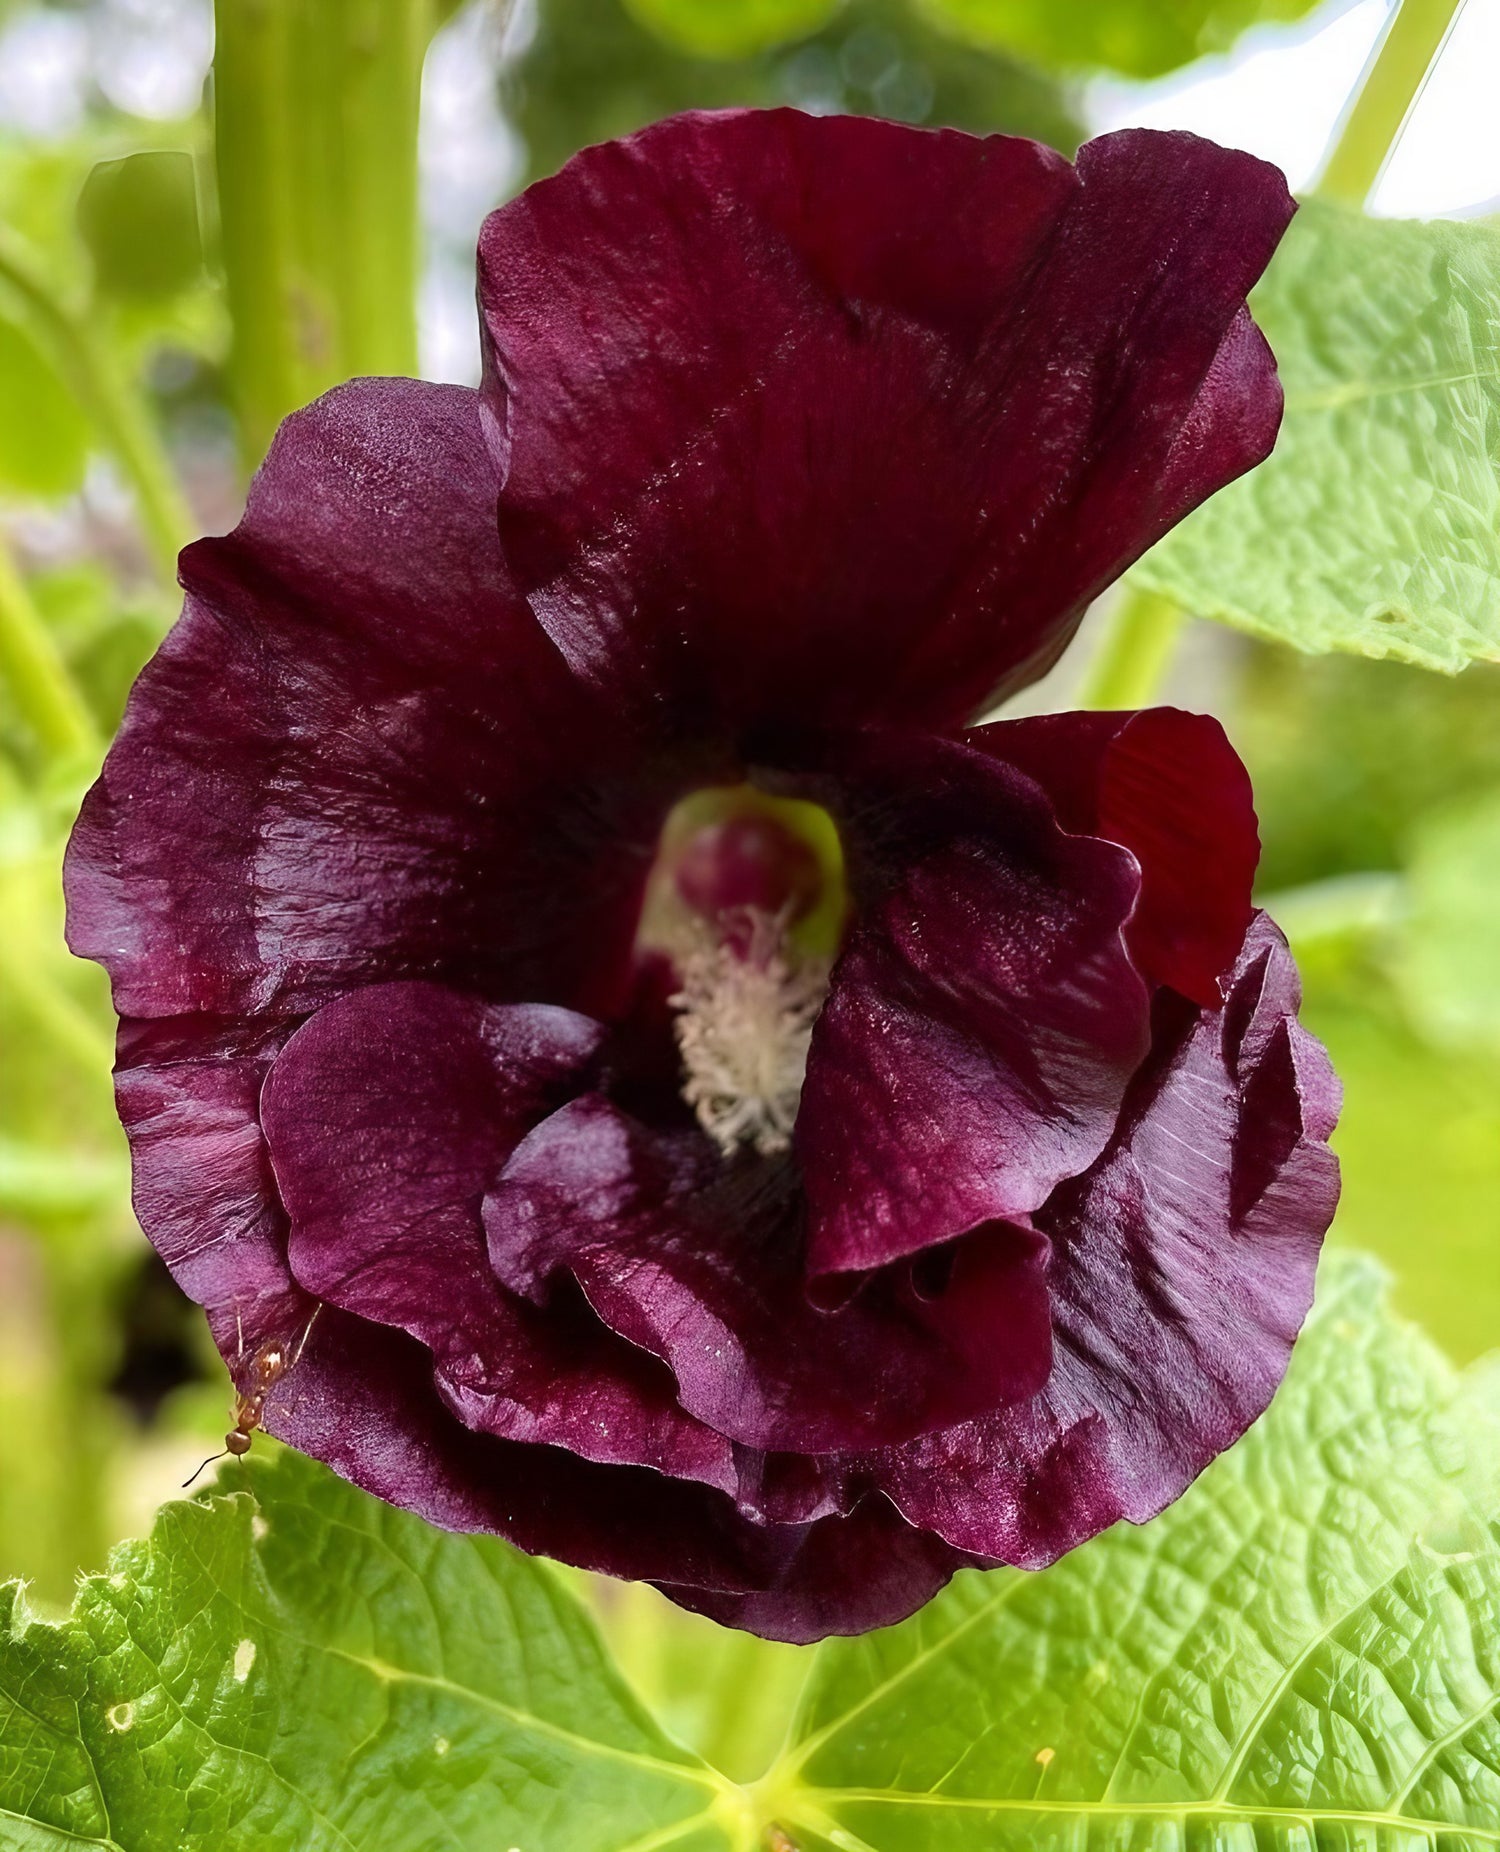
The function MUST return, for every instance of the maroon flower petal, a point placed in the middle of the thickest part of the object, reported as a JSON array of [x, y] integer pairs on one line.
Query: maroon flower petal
[[1170, 788], [703, 1268], [356, 757], [832, 418], [1182, 1268], [847, 1575], [388, 1116], [361, 1396], [984, 1018]]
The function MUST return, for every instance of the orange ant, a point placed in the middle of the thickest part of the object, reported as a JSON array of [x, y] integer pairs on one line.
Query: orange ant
[[271, 1363]]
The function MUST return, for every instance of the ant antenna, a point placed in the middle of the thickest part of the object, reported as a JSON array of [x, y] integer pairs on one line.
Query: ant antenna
[[223, 1453]]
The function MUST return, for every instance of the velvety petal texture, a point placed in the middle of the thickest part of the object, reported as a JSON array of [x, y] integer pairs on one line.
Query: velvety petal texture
[[925, 1168], [853, 422]]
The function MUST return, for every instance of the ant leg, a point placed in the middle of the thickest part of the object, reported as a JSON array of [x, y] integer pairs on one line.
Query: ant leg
[[306, 1334]]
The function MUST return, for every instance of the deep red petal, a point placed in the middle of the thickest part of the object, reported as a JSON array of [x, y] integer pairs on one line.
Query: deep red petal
[[815, 418], [388, 1116], [984, 1018], [702, 1266], [356, 757], [1170, 788], [361, 1396], [1182, 1270]]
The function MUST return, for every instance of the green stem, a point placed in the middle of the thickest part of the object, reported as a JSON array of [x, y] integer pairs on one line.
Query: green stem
[[66, 1024], [315, 138], [110, 403], [33, 668], [1135, 651], [1340, 907], [1387, 93]]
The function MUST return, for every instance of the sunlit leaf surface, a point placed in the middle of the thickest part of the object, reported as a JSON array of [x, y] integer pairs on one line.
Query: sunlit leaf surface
[[1372, 527], [299, 1668], [1303, 1654]]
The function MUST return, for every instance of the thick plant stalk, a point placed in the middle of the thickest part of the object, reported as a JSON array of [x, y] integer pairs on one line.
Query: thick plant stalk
[[1135, 652], [1388, 91], [315, 111]]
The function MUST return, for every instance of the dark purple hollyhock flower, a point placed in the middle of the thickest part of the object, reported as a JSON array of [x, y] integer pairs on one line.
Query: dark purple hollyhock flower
[[739, 1123]]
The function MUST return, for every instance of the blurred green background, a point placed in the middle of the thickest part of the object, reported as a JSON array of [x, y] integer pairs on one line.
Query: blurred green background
[[187, 251]]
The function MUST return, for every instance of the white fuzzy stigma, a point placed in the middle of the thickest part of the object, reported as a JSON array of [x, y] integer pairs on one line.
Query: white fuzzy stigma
[[745, 1016]]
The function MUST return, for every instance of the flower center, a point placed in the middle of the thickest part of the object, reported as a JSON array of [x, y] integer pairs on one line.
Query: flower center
[[745, 1016], [748, 901]]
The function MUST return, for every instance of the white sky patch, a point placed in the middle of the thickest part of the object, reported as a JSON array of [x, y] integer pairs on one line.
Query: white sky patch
[[1449, 157], [44, 73], [471, 160], [151, 56], [1282, 90], [146, 57]]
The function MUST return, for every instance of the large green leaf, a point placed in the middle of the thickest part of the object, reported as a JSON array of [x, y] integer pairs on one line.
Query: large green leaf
[[1375, 525], [1141, 38], [1303, 1653], [298, 1668]]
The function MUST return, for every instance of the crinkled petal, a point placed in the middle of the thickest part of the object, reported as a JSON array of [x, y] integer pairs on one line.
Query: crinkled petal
[[985, 1015], [828, 418], [356, 757], [1168, 786], [848, 1575], [388, 1116], [361, 1396], [702, 1267], [1182, 1269]]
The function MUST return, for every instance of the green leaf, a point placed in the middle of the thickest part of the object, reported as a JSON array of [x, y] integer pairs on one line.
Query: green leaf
[[43, 437], [1372, 527], [731, 28], [298, 1668], [139, 218], [1141, 38], [1303, 1653], [1448, 960], [36, 1181]]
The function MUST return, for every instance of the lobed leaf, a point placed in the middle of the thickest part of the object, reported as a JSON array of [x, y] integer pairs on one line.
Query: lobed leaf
[[296, 1666], [1303, 1653], [1373, 526]]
